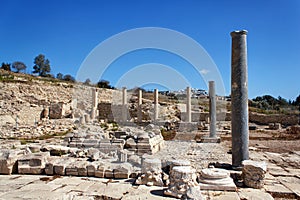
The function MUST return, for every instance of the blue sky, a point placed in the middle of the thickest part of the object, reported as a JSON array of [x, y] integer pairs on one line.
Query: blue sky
[[67, 31]]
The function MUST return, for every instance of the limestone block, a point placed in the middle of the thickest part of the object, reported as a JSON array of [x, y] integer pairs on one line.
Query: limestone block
[[59, 167], [109, 173], [49, 166], [88, 143], [130, 144], [100, 172], [93, 154], [82, 168], [123, 171], [91, 168], [71, 170], [135, 160], [8, 160], [56, 110], [152, 165], [254, 173], [32, 163]]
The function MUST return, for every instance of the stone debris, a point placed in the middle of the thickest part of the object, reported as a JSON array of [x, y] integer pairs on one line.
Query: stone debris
[[254, 173], [183, 183], [216, 179]]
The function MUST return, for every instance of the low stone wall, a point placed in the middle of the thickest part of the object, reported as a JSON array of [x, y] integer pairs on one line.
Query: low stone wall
[[203, 116], [264, 119]]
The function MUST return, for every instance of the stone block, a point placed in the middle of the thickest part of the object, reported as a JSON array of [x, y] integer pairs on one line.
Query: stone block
[[100, 172], [123, 171], [91, 168], [108, 173], [93, 154], [8, 164], [59, 168], [32, 163], [71, 170], [254, 173]]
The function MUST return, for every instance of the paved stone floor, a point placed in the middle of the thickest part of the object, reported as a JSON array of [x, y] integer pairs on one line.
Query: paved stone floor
[[13, 187], [282, 180]]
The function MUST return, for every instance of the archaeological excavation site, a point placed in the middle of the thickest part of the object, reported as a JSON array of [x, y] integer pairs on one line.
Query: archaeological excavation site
[[62, 140]]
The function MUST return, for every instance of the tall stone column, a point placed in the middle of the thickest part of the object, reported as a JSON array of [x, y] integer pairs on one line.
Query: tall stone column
[[140, 102], [94, 98], [188, 105], [212, 110], [124, 104], [94, 103], [239, 98], [156, 105]]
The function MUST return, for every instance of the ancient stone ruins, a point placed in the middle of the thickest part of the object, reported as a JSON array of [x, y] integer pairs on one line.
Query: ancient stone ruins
[[118, 143]]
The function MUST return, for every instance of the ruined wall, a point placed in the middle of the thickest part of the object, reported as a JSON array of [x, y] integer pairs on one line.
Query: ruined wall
[[273, 118]]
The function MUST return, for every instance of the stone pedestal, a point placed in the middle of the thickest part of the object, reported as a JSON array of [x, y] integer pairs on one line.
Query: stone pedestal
[[239, 99], [216, 179]]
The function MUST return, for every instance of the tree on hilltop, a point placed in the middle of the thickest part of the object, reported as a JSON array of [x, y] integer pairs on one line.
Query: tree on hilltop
[[6, 66], [59, 76], [19, 66], [69, 78], [42, 65], [104, 84], [87, 81]]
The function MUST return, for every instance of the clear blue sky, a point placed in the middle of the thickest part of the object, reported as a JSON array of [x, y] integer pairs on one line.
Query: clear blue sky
[[67, 31]]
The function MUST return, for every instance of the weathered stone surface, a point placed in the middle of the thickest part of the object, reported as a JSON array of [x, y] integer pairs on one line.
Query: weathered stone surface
[[183, 182], [249, 194], [32, 163], [93, 154], [123, 171], [254, 173], [151, 173], [216, 179], [8, 160]]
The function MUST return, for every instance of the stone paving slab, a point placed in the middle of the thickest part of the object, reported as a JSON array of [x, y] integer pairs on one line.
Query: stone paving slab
[[295, 187], [251, 194]]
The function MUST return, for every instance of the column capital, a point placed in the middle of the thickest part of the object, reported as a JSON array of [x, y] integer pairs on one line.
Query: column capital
[[237, 33]]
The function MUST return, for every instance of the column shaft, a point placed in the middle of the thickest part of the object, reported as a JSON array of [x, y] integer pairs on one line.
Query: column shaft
[[155, 104], [239, 99], [212, 110], [124, 104], [140, 102], [188, 105]]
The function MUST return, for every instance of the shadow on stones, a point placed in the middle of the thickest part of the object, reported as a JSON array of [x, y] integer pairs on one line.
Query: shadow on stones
[[157, 192]]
